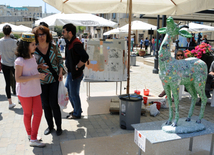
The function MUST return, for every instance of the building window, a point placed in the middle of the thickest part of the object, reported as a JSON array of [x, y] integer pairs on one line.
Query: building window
[[113, 15]]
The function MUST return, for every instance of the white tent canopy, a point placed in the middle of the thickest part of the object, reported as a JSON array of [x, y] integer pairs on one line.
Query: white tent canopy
[[116, 31], [138, 25], [16, 29], [79, 19], [30, 29], [195, 28], [155, 7]]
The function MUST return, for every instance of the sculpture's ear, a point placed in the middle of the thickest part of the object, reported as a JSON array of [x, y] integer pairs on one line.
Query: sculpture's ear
[[184, 33], [162, 30]]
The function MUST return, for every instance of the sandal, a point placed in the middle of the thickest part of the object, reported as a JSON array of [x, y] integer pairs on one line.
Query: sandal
[[162, 94]]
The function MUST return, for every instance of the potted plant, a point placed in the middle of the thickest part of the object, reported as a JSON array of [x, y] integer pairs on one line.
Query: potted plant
[[203, 52], [142, 52], [200, 51]]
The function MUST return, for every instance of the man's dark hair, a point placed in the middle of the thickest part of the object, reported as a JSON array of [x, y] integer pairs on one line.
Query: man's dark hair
[[7, 30], [22, 49], [44, 24], [70, 27]]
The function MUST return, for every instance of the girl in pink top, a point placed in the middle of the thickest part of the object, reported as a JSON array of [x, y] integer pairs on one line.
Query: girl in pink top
[[28, 86]]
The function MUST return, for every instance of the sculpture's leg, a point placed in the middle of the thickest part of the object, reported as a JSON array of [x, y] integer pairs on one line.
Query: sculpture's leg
[[201, 91], [168, 93], [175, 90], [193, 93]]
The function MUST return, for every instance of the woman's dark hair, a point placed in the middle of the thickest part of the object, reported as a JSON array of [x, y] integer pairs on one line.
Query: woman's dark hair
[[22, 49], [45, 30], [7, 30]]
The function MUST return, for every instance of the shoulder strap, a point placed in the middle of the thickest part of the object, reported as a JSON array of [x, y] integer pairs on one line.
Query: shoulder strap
[[47, 60]]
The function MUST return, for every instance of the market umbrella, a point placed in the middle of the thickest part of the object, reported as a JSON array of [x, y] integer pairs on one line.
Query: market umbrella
[[158, 7], [28, 29], [195, 28], [138, 25], [79, 19], [15, 29], [116, 31], [155, 7]]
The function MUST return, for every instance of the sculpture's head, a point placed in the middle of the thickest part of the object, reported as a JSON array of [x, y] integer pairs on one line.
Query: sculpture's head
[[173, 29]]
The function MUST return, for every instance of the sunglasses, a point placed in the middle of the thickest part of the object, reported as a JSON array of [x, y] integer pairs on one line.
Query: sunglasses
[[42, 35], [180, 55]]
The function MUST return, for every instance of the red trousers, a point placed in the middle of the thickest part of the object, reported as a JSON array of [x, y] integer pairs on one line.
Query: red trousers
[[32, 105]]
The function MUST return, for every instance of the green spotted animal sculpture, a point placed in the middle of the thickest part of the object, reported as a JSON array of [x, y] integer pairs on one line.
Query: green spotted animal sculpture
[[190, 72]]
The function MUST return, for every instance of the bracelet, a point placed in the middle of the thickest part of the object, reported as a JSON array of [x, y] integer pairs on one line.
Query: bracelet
[[77, 67]]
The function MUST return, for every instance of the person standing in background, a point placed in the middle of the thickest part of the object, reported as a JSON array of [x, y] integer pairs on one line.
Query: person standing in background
[[76, 57], [62, 44], [199, 38], [141, 43], [7, 52], [153, 45], [82, 40], [205, 39], [146, 43]]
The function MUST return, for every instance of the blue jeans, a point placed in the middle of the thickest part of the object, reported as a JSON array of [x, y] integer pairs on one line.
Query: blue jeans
[[73, 87]]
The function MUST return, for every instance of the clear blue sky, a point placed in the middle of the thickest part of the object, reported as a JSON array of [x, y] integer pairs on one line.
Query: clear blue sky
[[20, 3]]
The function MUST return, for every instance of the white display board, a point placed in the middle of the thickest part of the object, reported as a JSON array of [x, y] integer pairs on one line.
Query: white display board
[[108, 60]]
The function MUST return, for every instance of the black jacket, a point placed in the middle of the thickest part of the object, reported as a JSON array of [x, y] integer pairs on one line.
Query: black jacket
[[73, 54], [191, 45]]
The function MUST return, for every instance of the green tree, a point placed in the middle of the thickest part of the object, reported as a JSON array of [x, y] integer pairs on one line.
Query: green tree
[[17, 36], [1, 35], [58, 30], [80, 29]]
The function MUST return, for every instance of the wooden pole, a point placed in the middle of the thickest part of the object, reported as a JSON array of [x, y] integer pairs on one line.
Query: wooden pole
[[129, 45]]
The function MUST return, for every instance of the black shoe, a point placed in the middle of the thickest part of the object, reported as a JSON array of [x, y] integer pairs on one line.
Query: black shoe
[[58, 132], [73, 117], [207, 94], [48, 131]]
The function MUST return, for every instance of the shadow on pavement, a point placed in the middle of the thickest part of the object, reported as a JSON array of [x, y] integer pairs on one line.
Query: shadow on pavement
[[1, 117], [18, 110], [3, 97]]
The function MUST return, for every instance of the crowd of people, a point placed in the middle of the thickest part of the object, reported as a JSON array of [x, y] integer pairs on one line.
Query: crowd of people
[[37, 65]]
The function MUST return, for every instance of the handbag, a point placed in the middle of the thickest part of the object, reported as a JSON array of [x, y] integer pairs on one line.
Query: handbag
[[62, 95], [56, 53]]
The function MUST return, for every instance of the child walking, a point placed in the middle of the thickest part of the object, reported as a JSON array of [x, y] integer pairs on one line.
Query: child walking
[[28, 87]]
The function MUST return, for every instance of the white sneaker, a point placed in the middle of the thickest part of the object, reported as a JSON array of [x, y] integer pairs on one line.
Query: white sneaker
[[37, 143], [38, 138], [12, 105]]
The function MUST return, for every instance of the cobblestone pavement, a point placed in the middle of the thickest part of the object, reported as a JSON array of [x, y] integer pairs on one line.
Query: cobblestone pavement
[[13, 137]]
